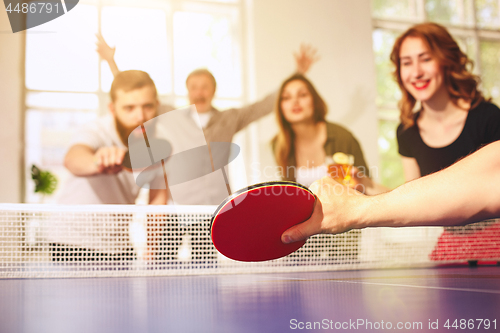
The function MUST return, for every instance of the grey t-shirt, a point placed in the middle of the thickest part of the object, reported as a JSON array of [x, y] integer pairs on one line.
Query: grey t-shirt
[[99, 189]]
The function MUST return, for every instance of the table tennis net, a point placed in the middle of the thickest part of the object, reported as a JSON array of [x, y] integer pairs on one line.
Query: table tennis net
[[40, 241]]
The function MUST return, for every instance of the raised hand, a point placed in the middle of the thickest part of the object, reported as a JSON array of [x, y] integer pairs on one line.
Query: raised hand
[[105, 51], [305, 58]]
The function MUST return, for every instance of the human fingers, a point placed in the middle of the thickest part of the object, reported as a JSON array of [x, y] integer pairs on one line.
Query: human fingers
[[115, 156], [112, 170], [99, 37], [305, 229], [312, 54], [111, 156], [106, 156], [98, 162], [119, 155], [339, 204], [100, 42]]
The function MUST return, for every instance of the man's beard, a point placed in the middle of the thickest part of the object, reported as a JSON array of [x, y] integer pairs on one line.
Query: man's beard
[[124, 131], [199, 100]]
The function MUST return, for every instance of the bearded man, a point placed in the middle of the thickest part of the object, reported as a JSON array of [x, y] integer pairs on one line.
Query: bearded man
[[97, 150]]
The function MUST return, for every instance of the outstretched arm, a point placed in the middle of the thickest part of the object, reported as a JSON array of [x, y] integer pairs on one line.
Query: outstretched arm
[[107, 53], [411, 168], [368, 186], [305, 58], [466, 192], [82, 161]]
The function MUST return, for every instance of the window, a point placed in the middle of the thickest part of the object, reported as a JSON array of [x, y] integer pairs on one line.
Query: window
[[67, 84], [473, 23]]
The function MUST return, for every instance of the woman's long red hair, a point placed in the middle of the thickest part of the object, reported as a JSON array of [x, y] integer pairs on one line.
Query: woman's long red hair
[[460, 82]]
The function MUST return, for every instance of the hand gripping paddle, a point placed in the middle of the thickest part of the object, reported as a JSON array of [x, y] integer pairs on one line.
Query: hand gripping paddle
[[247, 226]]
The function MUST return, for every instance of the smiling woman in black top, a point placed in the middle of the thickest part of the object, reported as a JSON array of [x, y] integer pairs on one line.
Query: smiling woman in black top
[[481, 127], [454, 119]]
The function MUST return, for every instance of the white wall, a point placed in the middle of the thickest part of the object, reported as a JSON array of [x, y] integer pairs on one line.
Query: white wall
[[11, 106], [345, 75]]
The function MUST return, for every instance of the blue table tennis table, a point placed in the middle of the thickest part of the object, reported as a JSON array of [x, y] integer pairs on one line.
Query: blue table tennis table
[[440, 299], [373, 280]]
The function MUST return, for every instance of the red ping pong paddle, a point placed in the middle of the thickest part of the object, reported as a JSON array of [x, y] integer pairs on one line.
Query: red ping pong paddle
[[247, 226]]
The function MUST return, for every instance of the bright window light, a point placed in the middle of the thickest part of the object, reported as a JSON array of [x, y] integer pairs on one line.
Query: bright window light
[[204, 40], [140, 37], [53, 100], [60, 54]]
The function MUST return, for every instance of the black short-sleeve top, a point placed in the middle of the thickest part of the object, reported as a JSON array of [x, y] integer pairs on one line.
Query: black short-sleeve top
[[481, 127]]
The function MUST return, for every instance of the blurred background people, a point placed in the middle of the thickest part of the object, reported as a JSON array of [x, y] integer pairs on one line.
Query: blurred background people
[[217, 126]]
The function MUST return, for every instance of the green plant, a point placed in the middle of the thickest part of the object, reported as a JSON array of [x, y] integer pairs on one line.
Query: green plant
[[45, 181]]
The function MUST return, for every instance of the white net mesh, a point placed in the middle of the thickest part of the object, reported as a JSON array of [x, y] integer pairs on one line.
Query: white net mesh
[[110, 240]]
